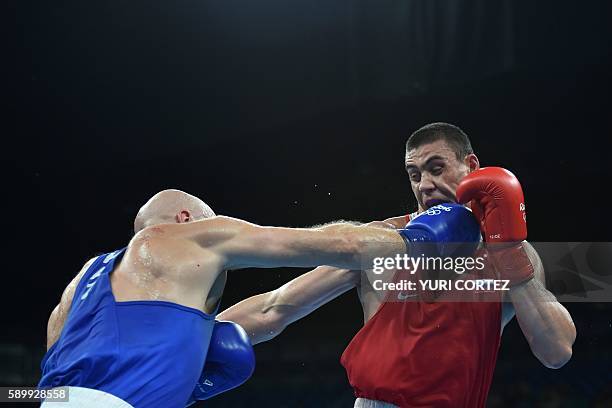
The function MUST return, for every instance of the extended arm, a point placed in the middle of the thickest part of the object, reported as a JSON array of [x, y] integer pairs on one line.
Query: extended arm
[[546, 324], [266, 315], [240, 244]]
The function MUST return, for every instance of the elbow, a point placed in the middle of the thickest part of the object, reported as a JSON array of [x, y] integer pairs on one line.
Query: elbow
[[556, 351], [557, 358]]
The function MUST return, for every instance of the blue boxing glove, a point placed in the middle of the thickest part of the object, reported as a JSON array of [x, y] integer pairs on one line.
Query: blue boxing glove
[[445, 230], [229, 363]]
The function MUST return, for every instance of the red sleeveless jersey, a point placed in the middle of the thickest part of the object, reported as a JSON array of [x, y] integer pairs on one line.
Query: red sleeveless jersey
[[426, 354]]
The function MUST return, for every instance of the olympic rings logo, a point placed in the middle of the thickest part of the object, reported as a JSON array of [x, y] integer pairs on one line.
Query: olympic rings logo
[[437, 210]]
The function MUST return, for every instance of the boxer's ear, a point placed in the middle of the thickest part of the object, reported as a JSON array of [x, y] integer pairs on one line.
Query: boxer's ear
[[472, 162], [183, 216]]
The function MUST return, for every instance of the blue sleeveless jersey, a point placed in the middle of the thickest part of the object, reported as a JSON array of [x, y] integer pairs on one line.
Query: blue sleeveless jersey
[[148, 353]]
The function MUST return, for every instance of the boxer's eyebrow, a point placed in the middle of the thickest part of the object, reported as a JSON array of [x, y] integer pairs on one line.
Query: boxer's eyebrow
[[434, 157], [429, 160]]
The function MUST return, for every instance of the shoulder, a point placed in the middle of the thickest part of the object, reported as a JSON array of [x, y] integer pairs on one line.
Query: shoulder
[[168, 245], [69, 291], [60, 312]]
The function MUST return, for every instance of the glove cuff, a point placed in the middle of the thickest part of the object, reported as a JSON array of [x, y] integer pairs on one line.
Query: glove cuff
[[511, 262]]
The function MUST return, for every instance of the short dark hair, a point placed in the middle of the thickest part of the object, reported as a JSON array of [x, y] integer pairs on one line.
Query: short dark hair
[[454, 137]]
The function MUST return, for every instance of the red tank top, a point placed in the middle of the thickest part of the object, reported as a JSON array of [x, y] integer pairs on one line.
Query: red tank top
[[420, 354]]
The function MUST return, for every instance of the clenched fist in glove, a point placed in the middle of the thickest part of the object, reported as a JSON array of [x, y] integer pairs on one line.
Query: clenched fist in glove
[[497, 202]]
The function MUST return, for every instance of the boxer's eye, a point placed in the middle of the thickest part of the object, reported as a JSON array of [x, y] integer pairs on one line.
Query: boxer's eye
[[436, 171], [414, 176]]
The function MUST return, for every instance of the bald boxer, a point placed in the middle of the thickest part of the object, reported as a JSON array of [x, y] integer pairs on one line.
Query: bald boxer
[[413, 352], [133, 327]]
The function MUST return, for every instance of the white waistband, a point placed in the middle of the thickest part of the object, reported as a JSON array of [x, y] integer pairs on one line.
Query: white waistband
[[86, 397], [368, 403]]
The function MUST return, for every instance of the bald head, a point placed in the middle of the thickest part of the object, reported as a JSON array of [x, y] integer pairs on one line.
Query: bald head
[[171, 206]]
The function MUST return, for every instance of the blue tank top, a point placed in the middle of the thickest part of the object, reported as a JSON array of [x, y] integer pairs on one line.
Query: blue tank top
[[148, 353]]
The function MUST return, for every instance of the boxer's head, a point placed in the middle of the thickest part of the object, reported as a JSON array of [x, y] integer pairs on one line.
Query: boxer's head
[[171, 206], [438, 156]]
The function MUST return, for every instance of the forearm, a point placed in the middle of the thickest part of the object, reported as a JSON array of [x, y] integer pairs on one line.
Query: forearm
[[364, 244], [240, 244], [546, 324], [265, 316], [254, 317], [341, 245]]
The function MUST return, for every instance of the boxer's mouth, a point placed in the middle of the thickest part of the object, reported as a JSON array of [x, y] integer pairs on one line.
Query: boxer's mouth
[[436, 201]]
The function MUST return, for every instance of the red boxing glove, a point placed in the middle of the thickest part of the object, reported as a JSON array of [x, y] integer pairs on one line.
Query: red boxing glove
[[498, 203]]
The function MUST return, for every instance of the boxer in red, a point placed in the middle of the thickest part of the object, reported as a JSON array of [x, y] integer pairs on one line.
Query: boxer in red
[[419, 353]]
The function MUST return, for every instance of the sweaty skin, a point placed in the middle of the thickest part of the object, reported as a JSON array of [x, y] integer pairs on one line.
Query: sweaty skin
[[435, 173], [186, 262]]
